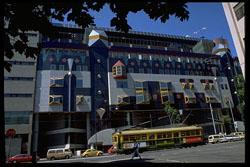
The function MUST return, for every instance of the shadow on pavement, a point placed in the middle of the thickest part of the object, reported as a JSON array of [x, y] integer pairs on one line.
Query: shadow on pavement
[[143, 160]]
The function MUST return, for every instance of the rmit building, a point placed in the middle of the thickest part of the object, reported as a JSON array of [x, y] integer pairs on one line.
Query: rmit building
[[93, 79]]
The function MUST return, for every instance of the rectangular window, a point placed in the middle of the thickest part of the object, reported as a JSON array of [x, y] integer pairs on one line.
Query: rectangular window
[[79, 83], [55, 99], [17, 117], [85, 68], [222, 86], [161, 71], [78, 68], [239, 10], [130, 70], [167, 72], [141, 70], [122, 84], [149, 71], [186, 72], [178, 72], [52, 67], [74, 53], [226, 86], [56, 82], [79, 100], [172, 72], [61, 67], [169, 135]]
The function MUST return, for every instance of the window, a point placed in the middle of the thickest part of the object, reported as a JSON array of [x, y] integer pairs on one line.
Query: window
[[56, 99], [169, 135], [222, 86], [130, 70], [123, 100], [125, 138], [211, 86], [226, 87], [122, 84], [186, 72], [176, 134], [205, 86], [239, 10], [79, 100], [74, 53], [149, 71], [167, 72], [189, 100], [61, 67], [172, 72], [79, 83], [141, 70], [52, 67], [161, 71], [56, 82], [165, 86], [151, 136], [17, 117], [78, 68], [85, 68], [178, 72]]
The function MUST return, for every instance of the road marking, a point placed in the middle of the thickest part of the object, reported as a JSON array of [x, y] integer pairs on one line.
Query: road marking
[[172, 160]]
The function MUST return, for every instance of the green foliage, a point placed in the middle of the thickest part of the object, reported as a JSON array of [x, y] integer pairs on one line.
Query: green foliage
[[225, 118], [26, 16], [240, 86], [173, 114]]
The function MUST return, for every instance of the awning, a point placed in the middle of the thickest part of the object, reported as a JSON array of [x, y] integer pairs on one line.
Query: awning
[[103, 137]]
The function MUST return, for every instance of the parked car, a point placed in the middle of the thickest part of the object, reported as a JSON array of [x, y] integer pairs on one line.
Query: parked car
[[112, 149], [233, 138], [239, 134], [21, 158], [219, 138], [59, 153], [92, 152]]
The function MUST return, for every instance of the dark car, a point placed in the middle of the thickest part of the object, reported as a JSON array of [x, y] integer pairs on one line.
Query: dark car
[[21, 158]]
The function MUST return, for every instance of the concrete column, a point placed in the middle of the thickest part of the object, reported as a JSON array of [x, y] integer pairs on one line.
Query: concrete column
[[87, 125]]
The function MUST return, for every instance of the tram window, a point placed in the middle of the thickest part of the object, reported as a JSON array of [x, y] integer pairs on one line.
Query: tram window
[[197, 132], [192, 133], [176, 134], [159, 136], [151, 136], [131, 138], [144, 137], [188, 133], [125, 138], [169, 135], [114, 139], [164, 136], [138, 137], [182, 133]]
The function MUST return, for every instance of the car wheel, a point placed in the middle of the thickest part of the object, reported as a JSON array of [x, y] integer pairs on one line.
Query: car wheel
[[86, 155], [100, 154], [52, 158], [66, 157]]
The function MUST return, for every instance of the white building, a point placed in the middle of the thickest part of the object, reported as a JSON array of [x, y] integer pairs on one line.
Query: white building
[[235, 14]]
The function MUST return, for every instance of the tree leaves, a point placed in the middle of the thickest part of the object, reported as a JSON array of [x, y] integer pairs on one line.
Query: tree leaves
[[174, 116], [34, 16]]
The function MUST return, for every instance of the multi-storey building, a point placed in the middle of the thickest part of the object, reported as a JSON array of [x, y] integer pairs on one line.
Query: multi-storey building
[[235, 14], [97, 78], [19, 93]]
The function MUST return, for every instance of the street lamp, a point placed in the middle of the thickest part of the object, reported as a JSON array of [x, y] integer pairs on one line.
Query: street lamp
[[70, 63]]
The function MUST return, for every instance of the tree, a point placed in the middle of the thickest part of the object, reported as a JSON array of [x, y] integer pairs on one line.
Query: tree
[[20, 17], [173, 114], [225, 119], [240, 87]]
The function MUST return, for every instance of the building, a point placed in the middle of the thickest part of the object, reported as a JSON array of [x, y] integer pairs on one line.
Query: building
[[115, 79], [19, 94], [235, 14]]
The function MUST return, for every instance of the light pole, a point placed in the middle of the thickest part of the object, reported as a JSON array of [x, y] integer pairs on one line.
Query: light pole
[[232, 114], [70, 63]]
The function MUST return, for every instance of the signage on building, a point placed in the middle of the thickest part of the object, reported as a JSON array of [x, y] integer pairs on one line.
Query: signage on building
[[11, 133]]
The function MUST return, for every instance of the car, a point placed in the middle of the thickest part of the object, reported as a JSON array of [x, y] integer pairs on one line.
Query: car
[[92, 152], [112, 149], [233, 138], [59, 153], [218, 138], [21, 158], [239, 134]]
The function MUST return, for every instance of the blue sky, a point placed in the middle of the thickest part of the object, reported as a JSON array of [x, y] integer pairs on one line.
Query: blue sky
[[210, 15]]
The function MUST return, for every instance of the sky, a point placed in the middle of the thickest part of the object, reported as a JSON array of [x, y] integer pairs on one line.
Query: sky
[[210, 15]]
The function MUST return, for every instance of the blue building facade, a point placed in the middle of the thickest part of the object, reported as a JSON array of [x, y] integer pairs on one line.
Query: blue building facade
[[121, 80]]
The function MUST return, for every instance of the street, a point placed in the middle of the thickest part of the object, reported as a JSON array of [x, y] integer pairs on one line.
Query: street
[[230, 152]]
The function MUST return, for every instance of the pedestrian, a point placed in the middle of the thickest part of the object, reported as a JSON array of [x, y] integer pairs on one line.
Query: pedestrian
[[136, 150]]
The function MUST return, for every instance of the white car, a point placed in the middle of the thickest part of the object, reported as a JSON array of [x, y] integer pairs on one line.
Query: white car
[[233, 137]]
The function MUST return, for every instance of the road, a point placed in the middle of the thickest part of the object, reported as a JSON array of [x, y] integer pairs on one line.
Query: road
[[230, 152]]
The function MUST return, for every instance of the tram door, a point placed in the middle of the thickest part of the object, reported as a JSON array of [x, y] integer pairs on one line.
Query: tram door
[[176, 138]]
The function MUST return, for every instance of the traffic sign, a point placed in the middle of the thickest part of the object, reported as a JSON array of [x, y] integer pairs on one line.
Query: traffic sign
[[11, 133]]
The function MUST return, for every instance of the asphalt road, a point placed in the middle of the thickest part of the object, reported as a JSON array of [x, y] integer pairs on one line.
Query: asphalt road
[[230, 152]]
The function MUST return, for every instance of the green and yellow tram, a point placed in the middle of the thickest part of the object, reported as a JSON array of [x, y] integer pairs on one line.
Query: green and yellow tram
[[150, 139]]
